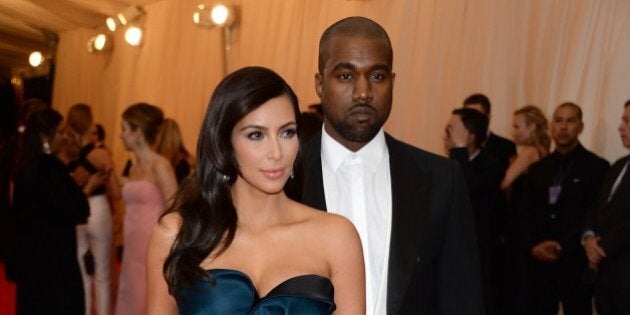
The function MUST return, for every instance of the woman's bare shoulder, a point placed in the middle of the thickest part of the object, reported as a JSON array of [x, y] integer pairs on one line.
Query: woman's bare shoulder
[[168, 225], [328, 224]]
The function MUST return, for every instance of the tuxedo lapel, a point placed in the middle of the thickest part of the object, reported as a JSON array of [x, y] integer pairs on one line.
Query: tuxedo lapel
[[410, 209], [624, 185], [313, 191]]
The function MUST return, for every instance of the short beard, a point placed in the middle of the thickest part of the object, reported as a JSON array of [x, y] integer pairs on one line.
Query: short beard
[[360, 134]]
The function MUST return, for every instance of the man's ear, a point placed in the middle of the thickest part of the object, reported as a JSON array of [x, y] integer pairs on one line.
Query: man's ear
[[319, 84]]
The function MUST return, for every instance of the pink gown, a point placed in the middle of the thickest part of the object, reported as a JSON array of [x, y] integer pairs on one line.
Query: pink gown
[[144, 204]]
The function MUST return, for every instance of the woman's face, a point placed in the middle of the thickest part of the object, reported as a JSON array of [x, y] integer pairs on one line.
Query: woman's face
[[129, 136], [265, 145], [521, 131]]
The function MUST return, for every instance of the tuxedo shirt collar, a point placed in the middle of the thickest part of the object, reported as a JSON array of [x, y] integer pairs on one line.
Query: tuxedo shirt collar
[[372, 153]]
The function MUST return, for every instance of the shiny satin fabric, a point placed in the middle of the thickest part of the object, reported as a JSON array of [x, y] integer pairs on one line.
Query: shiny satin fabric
[[232, 292]]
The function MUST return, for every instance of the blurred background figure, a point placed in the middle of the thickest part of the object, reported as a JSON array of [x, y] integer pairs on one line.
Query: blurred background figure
[[171, 146], [147, 192], [94, 238], [48, 205], [465, 135], [310, 124], [8, 151], [530, 134], [500, 148], [96, 135]]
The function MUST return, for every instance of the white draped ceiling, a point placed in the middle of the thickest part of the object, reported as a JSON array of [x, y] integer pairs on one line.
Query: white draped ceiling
[[517, 52]]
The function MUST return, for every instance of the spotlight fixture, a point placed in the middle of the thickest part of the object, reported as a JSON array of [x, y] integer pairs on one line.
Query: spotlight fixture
[[217, 15], [133, 36], [99, 43], [123, 18], [111, 23], [35, 59]]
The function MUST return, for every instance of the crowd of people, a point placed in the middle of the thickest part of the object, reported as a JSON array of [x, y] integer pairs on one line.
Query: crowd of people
[[279, 214]]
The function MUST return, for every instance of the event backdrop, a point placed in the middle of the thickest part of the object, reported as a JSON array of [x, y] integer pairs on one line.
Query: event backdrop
[[517, 52]]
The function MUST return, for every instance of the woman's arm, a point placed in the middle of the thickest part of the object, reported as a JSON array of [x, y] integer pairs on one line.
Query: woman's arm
[[166, 179], [524, 159], [346, 266], [159, 301], [102, 160]]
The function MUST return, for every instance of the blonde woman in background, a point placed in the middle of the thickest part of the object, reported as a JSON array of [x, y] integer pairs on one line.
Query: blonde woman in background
[[151, 184], [171, 146], [529, 131], [95, 238]]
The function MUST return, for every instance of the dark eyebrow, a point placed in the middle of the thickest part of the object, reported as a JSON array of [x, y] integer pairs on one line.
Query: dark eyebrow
[[350, 66], [257, 127]]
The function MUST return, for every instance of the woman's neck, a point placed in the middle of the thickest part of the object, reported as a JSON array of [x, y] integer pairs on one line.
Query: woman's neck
[[144, 155]]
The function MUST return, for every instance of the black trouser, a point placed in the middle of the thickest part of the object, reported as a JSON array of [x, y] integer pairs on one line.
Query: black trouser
[[551, 283], [612, 300]]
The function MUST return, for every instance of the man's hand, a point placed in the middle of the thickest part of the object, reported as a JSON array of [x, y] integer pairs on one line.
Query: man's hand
[[594, 252], [546, 251]]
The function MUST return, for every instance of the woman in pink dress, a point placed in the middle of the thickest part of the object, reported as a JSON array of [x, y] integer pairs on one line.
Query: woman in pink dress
[[150, 185]]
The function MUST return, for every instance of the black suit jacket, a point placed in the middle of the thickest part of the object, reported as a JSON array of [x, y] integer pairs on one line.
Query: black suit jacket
[[483, 178], [564, 221], [500, 148], [433, 260], [611, 221]]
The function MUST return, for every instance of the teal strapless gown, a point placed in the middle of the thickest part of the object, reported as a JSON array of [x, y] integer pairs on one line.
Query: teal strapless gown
[[234, 293]]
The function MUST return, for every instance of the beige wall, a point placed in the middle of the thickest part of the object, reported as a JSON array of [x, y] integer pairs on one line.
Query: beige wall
[[517, 52]]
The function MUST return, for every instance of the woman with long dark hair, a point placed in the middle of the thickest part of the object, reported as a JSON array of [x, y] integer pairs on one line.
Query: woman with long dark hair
[[48, 205], [233, 242]]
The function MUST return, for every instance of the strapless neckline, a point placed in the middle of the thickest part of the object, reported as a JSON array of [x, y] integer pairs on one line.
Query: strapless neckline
[[233, 292], [275, 289]]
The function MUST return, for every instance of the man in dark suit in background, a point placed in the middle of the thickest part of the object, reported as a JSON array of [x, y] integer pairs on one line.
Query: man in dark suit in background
[[410, 207], [501, 148], [465, 133], [559, 191], [607, 238]]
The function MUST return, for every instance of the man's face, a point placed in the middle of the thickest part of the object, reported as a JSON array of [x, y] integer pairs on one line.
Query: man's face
[[355, 89], [624, 127], [566, 126]]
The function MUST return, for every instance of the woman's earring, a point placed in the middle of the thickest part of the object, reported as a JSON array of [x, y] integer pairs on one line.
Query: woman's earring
[[225, 178], [46, 147], [292, 175]]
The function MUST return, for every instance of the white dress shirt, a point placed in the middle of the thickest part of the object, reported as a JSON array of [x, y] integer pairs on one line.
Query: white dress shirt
[[357, 185]]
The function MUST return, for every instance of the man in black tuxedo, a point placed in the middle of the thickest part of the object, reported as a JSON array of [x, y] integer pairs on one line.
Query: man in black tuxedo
[[607, 238], [410, 207], [559, 191], [501, 148], [465, 134]]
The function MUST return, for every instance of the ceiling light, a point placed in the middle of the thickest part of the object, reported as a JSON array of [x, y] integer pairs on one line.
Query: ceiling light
[[125, 17], [35, 58], [98, 43], [217, 15], [111, 23], [133, 36], [220, 14]]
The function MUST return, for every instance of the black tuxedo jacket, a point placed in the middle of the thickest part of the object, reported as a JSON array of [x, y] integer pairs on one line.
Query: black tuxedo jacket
[[433, 260], [564, 221], [483, 178], [611, 221], [500, 148]]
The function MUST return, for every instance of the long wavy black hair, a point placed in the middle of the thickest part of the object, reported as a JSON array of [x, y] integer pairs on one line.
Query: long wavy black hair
[[40, 123], [204, 200]]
